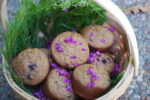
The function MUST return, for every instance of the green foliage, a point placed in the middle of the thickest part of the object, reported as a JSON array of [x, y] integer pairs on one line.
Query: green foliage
[[115, 79], [80, 14], [34, 17]]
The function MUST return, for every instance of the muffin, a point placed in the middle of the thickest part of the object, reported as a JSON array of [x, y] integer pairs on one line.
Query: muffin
[[58, 85], [118, 48], [98, 37], [32, 66], [90, 81], [105, 61], [70, 49]]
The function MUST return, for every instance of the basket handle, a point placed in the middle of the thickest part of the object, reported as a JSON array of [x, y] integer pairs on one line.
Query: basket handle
[[113, 9], [3, 14]]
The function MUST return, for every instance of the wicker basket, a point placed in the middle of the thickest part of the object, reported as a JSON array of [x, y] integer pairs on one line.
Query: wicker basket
[[115, 18]]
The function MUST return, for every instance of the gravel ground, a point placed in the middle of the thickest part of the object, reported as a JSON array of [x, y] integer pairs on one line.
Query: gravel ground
[[140, 87]]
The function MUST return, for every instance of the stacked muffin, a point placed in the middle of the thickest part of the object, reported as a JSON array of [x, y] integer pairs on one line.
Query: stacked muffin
[[76, 65]]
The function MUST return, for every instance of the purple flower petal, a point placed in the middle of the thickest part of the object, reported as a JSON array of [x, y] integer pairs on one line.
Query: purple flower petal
[[102, 40], [112, 29], [58, 44], [54, 65], [98, 53], [63, 73], [91, 85], [49, 43], [67, 81], [92, 55], [91, 60], [94, 77], [39, 94], [70, 40], [69, 88], [92, 35], [94, 73], [67, 74], [74, 42], [73, 57], [66, 10], [116, 70], [90, 70], [59, 49], [83, 49]]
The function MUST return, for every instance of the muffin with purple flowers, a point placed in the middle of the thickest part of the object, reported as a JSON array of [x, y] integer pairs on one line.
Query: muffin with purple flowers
[[90, 81], [118, 48], [98, 37], [70, 49], [58, 85], [31, 65], [102, 60]]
